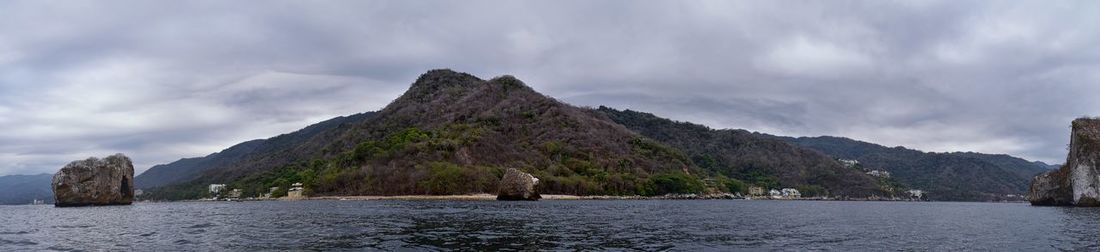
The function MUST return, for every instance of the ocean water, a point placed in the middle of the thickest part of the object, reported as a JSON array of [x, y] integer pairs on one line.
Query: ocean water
[[688, 225]]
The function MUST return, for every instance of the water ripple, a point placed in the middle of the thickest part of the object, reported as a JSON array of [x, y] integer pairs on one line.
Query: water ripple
[[551, 225]]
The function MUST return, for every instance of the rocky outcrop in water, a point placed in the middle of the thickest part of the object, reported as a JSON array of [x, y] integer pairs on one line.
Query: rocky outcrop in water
[[95, 182], [517, 185], [1077, 182]]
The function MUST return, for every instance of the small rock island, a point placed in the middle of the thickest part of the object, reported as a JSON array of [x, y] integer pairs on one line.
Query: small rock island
[[1077, 183], [518, 185], [95, 182]]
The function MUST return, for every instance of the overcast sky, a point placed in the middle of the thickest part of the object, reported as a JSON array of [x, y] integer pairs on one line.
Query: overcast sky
[[163, 80]]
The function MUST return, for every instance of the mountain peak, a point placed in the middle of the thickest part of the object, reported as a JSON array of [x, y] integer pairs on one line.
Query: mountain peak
[[441, 78], [444, 87]]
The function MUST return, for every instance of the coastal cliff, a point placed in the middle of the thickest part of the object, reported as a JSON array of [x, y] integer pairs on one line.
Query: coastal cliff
[[1076, 183]]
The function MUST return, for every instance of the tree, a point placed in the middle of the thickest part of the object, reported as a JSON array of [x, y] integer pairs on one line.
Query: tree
[[675, 182]]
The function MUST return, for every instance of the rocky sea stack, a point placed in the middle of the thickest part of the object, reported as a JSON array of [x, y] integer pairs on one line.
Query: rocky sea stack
[[95, 182], [1077, 182], [517, 185]]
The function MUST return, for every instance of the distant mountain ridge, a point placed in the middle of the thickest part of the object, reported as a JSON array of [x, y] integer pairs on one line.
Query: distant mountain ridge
[[24, 189], [191, 168], [965, 176], [746, 155]]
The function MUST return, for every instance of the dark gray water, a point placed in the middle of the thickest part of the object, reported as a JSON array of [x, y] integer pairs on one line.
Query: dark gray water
[[570, 225]]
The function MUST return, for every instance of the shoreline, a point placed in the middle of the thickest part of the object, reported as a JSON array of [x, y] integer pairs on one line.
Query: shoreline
[[480, 196], [552, 197], [492, 197]]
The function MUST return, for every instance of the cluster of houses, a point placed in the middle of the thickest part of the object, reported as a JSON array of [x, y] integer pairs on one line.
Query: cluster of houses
[[791, 193], [785, 193], [854, 164], [219, 192]]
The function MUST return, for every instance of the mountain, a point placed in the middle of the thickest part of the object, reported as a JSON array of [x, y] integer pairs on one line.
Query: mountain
[[760, 159], [24, 189], [959, 176], [1023, 168], [1048, 166], [188, 169], [453, 133]]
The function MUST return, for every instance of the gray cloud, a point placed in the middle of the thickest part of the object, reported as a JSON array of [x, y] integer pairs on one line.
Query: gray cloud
[[166, 80]]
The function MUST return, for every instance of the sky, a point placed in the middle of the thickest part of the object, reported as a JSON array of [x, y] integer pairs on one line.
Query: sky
[[164, 80]]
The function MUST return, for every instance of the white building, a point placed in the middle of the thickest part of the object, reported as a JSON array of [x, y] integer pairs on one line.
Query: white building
[[791, 193], [916, 194], [848, 163], [216, 188], [756, 191], [775, 194], [295, 191], [879, 173]]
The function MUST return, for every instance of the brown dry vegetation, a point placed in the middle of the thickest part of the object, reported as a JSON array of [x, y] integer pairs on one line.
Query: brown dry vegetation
[[453, 133]]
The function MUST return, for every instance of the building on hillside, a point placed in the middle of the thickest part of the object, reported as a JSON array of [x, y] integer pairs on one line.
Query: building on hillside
[[879, 173], [756, 191], [848, 162], [295, 191], [775, 194], [217, 188], [791, 193], [138, 192]]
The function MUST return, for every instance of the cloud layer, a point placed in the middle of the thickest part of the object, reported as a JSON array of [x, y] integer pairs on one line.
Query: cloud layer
[[166, 80]]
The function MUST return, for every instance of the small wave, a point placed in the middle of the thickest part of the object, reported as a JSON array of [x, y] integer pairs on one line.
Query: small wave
[[204, 225], [17, 243], [15, 233], [56, 248], [196, 231]]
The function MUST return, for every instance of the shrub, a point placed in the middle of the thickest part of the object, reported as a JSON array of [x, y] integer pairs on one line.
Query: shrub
[[444, 178], [733, 185], [675, 183], [812, 190]]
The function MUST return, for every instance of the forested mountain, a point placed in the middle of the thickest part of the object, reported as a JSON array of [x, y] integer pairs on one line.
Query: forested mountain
[[453, 133], [24, 189], [758, 159], [1021, 167], [188, 169], [946, 176]]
